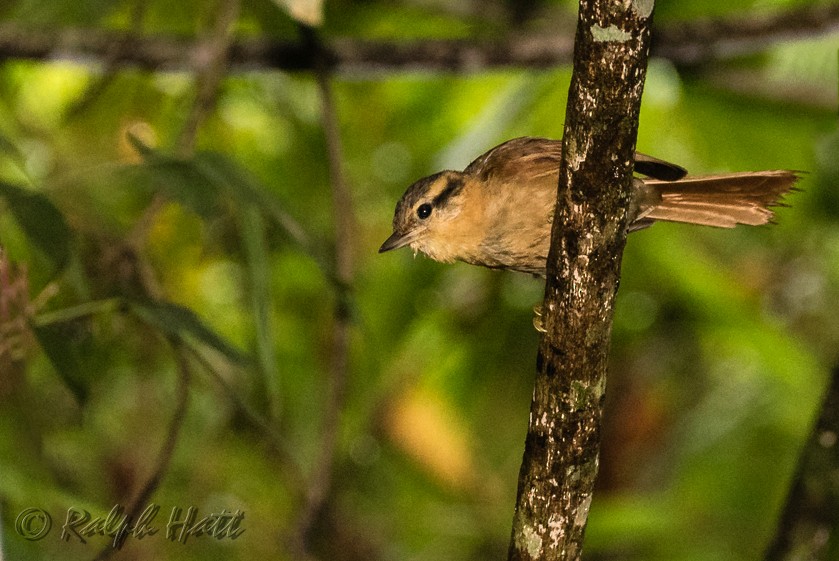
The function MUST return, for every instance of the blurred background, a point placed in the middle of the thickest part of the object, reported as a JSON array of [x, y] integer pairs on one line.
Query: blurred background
[[193, 312]]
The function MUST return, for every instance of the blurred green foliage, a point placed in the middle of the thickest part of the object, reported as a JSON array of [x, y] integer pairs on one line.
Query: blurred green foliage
[[722, 339]]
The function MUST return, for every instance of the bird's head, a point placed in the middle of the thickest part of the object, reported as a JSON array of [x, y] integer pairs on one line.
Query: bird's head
[[437, 217]]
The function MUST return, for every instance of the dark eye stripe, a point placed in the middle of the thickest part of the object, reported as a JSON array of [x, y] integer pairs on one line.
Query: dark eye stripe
[[453, 187]]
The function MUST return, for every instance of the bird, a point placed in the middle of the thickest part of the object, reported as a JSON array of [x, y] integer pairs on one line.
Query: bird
[[498, 211]]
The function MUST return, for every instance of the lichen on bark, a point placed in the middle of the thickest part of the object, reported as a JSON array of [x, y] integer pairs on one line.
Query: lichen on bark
[[560, 462]]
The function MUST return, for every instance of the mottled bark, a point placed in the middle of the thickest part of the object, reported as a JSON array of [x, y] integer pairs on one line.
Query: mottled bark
[[561, 450]]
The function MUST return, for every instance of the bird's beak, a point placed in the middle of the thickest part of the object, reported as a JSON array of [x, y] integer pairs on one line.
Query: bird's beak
[[395, 241]]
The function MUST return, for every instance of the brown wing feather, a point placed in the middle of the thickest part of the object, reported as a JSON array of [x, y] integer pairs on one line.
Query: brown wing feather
[[527, 158], [517, 160]]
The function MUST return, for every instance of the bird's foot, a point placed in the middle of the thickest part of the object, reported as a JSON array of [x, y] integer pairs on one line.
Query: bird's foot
[[538, 318]]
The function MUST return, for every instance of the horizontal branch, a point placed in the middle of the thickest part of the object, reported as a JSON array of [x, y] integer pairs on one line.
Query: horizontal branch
[[703, 41], [688, 44]]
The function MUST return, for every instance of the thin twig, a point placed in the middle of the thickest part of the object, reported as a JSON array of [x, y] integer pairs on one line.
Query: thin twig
[[684, 43], [165, 457], [343, 217], [210, 59], [289, 464], [111, 65]]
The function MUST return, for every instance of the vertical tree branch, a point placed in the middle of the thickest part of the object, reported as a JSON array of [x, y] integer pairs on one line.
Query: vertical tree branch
[[561, 450], [343, 217], [809, 524]]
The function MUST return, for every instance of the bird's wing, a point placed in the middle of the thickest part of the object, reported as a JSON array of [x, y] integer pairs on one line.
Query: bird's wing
[[519, 160], [527, 158]]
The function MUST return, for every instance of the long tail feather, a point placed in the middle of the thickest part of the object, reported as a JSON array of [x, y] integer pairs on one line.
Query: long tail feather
[[722, 200]]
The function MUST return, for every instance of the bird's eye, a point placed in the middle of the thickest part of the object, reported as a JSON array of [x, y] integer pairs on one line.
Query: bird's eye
[[424, 211]]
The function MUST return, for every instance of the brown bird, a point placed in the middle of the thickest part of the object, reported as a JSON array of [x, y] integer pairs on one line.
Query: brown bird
[[498, 211]]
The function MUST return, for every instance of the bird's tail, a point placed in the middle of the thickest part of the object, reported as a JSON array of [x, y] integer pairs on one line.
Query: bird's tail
[[721, 200]]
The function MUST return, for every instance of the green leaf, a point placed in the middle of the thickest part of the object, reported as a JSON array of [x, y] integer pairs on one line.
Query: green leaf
[[83, 310], [243, 187], [256, 254], [8, 148], [180, 321], [247, 190], [40, 220], [179, 179], [198, 184], [67, 345], [144, 149]]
